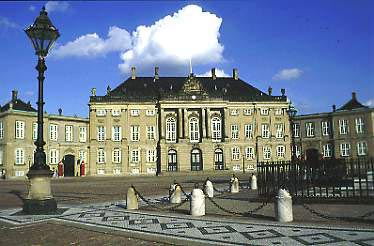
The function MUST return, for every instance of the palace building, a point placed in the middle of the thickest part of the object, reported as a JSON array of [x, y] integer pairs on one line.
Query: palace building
[[345, 132], [162, 125]]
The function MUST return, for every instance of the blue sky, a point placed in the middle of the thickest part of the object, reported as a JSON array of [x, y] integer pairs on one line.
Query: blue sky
[[319, 51]]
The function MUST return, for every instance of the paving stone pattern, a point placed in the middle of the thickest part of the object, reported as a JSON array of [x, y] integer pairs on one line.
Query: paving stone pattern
[[204, 230]]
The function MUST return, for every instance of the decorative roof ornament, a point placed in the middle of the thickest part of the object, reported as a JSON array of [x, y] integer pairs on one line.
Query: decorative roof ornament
[[193, 85]]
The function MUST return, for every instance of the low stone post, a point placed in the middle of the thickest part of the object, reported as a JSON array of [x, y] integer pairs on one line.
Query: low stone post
[[254, 182], [283, 206], [197, 202], [209, 188], [131, 199], [234, 184], [175, 197]]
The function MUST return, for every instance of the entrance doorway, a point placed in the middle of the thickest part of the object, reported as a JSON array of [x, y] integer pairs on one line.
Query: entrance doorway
[[218, 159], [172, 160], [196, 160], [69, 161]]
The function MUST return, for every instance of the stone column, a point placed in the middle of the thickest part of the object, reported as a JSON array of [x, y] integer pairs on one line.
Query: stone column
[[162, 124], [185, 123], [208, 124], [226, 124], [180, 123], [203, 122]]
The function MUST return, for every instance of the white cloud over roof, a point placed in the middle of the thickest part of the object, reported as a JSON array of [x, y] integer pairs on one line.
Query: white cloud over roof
[[288, 74]]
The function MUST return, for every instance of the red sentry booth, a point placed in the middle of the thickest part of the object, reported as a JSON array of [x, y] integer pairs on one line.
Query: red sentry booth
[[60, 169], [82, 169]]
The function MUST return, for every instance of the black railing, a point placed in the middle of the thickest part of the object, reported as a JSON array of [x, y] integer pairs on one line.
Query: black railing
[[329, 178]]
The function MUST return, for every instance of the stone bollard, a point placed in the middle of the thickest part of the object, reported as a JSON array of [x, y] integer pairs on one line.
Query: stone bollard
[[131, 199], [234, 184], [197, 203], [209, 188], [175, 197], [283, 206], [254, 182]]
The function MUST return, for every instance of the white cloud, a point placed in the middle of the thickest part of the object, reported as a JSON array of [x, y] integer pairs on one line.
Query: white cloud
[[32, 8], [59, 6], [92, 45], [370, 103], [173, 40], [6, 23], [288, 74], [219, 73]]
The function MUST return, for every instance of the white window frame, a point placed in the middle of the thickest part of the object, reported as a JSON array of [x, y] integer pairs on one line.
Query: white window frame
[[101, 133], [69, 133], [309, 127], [135, 133], [216, 125], [281, 151], [234, 132], [296, 130], [135, 112], [248, 111], [248, 131], [343, 127], [101, 156], [345, 149], [116, 112], [265, 130], [1, 129], [151, 132], [20, 129], [34, 130], [82, 134], [249, 153], [116, 155], [234, 112], [151, 155], [264, 111], [194, 130], [359, 125], [100, 112], [53, 156], [297, 150], [150, 112], [278, 111], [279, 130], [19, 156], [327, 150], [82, 154], [266, 151], [235, 153], [116, 133], [362, 148], [325, 127], [135, 156], [171, 130], [53, 132]]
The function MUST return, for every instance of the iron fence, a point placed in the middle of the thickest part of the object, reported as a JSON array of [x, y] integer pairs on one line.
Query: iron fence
[[328, 178]]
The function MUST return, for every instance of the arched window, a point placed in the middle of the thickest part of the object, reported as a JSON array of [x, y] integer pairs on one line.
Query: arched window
[[216, 129], [172, 160], [196, 160], [171, 129], [194, 130], [218, 159]]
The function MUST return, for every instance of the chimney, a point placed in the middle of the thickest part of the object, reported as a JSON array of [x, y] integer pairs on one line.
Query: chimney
[[133, 73], [60, 111], [235, 73], [156, 72], [333, 108], [14, 95], [354, 95], [283, 92], [270, 90], [214, 73]]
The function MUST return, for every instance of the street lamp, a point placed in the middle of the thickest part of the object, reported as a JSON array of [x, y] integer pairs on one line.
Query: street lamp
[[40, 200], [292, 113]]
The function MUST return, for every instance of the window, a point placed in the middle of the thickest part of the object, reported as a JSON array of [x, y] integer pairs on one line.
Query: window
[[296, 130], [100, 112], [194, 130], [249, 153], [100, 156], [82, 156], [279, 130], [150, 112], [116, 112], [1, 157], [135, 134], [265, 131], [236, 167], [134, 112], [248, 111], [100, 133], [345, 149], [297, 150], [20, 129], [53, 156], [264, 111], [281, 151], [172, 160], [151, 170], [82, 134], [53, 132], [343, 127], [266, 152], [151, 155], [19, 173], [116, 171], [234, 112], [234, 131], [171, 129], [150, 132], [359, 125], [216, 129], [248, 131], [327, 150], [362, 148], [20, 156], [34, 131], [1, 130], [135, 155], [235, 153], [325, 128], [116, 155], [309, 129], [68, 133], [278, 111], [100, 171], [116, 133]]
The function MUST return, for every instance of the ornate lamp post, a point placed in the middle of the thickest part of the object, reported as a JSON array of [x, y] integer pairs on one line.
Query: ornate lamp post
[[292, 113], [40, 200]]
